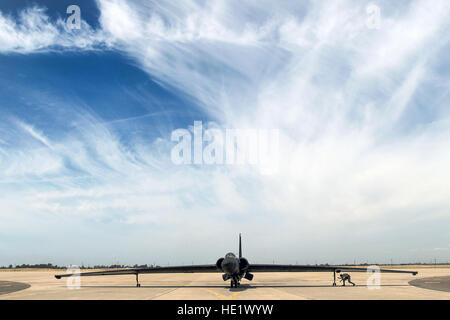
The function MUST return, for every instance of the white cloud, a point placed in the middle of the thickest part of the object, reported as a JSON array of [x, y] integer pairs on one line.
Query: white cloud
[[357, 164], [35, 134], [35, 32]]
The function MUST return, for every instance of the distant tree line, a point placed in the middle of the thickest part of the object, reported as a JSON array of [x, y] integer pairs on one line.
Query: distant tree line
[[122, 266], [40, 265], [52, 266]]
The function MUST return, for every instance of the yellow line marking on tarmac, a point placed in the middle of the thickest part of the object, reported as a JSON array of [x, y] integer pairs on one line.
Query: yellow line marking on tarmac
[[233, 297], [215, 293]]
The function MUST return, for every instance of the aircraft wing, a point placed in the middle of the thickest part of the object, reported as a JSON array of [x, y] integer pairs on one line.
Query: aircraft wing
[[206, 268], [298, 268]]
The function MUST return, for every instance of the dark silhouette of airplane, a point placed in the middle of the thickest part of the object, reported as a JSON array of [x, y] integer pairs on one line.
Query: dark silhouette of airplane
[[235, 269]]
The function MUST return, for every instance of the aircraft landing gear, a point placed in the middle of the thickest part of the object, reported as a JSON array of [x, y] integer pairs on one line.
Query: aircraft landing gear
[[138, 285], [234, 283], [334, 278]]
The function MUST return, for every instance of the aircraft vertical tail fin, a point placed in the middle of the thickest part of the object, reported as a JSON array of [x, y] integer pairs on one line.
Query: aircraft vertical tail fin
[[240, 246]]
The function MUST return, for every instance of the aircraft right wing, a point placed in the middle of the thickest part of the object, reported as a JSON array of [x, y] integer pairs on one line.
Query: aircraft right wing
[[206, 268]]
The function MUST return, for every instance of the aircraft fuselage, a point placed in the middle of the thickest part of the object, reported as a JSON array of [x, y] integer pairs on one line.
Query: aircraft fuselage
[[234, 268], [230, 265]]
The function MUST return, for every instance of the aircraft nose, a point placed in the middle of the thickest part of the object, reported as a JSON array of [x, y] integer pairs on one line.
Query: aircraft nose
[[229, 266]]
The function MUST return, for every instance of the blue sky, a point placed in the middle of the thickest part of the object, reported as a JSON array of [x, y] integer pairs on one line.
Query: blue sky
[[363, 115]]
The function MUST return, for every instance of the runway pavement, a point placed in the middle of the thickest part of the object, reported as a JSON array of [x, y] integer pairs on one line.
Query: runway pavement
[[288, 286], [8, 286], [433, 283]]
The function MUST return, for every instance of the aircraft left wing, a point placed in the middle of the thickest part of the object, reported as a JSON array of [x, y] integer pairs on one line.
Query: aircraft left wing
[[299, 268], [206, 268]]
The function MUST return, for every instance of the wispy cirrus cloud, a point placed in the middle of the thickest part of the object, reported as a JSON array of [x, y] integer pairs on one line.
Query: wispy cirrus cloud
[[34, 31], [363, 116]]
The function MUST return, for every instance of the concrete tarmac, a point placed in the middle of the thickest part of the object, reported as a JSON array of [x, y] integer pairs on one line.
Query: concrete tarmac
[[433, 283], [8, 286], [285, 286]]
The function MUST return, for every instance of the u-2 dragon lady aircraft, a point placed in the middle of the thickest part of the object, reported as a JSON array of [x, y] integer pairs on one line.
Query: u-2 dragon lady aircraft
[[235, 269]]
